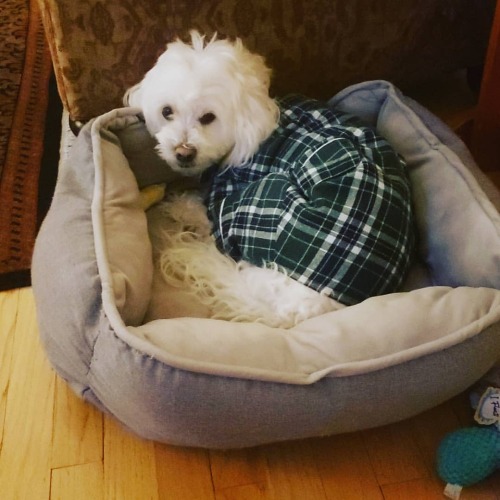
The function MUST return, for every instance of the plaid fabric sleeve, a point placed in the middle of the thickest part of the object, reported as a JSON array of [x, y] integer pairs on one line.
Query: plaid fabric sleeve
[[326, 199]]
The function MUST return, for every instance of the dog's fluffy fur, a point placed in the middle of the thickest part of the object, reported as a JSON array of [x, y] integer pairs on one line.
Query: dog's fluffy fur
[[208, 103]]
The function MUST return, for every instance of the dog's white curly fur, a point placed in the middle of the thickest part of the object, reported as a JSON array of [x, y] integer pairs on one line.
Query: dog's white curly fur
[[208, 103], [202, 282]]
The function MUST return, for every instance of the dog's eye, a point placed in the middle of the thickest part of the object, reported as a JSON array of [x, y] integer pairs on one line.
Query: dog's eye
[[207, 118], [167, 112]]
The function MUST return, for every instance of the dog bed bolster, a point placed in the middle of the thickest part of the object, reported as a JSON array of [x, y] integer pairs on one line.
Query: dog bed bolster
[[202, 382]]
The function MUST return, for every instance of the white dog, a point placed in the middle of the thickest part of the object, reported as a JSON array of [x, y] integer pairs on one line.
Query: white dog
[[208, 103]]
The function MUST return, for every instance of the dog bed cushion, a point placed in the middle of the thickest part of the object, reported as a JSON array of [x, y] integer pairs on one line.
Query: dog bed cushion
[[203, 382], [325, 198]]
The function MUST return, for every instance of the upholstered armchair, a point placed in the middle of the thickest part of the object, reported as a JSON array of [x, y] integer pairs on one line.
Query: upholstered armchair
[[100, 48]]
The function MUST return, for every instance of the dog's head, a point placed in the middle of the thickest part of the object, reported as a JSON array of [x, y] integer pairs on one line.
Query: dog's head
[[206, 103]]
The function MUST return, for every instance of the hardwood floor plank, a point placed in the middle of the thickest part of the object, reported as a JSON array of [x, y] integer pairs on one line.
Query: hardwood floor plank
[[481, 491], [25, 453], [433, 488], [183, 473], [345, 468], [129, 465], [418, 489], [293, 474], [394, 454], [428, 430], [8, 315], [238, 467], [492, 485], [258, 491], [80, 482], [78, 429]]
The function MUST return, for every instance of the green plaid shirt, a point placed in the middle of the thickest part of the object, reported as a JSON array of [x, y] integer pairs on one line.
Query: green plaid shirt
[[325, 198]]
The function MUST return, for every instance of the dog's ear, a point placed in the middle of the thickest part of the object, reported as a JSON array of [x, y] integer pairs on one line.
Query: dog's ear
[[256, 119], [256, 114], [133, 96]]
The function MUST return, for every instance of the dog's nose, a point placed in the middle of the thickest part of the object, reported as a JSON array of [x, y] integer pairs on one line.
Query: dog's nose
[[185, 153]]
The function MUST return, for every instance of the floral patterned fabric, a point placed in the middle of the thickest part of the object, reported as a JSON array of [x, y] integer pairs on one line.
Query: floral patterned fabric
[[100, 48]]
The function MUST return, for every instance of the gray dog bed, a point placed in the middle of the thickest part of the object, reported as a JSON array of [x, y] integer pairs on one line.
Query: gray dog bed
[[209, 383]]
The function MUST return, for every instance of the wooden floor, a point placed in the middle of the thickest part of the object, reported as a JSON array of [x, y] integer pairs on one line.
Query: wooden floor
[[53, 446]]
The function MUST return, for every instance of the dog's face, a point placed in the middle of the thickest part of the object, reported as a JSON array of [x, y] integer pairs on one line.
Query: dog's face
[[206, 103]]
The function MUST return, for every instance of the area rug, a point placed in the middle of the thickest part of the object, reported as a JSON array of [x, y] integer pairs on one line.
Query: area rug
[[30, 117]]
